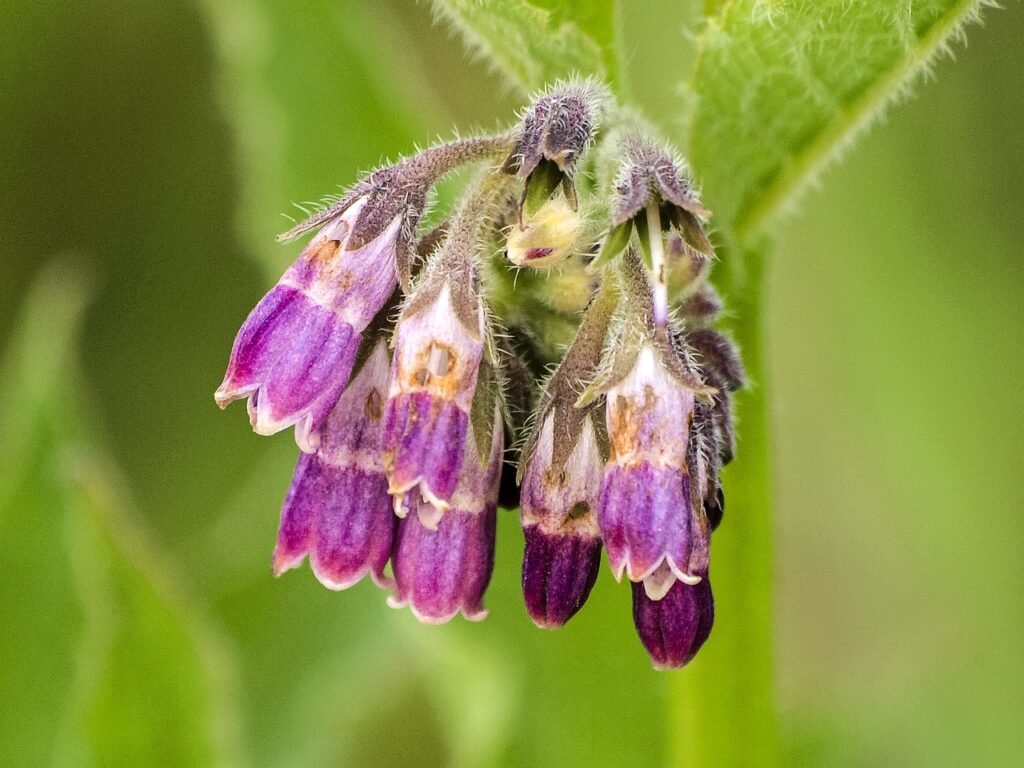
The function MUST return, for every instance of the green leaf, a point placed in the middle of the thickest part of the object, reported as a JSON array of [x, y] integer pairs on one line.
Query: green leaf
[[33, 365], [41, 615], [781, 88], [154, 685], [534, 46], [106, 665]]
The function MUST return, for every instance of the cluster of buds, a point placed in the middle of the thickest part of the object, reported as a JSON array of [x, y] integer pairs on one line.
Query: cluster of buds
[[407, 358]]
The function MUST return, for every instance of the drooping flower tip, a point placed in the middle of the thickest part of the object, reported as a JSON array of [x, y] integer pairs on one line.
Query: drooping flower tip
[[293, 355], [338, 510], [675, 627], [559, 571], [442, 572], [445, 571]]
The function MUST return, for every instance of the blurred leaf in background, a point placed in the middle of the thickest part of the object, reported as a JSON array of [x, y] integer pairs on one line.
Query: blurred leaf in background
[[101, 653], [157, 142]]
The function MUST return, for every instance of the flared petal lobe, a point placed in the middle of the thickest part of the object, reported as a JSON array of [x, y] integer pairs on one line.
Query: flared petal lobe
[[338, 510], [294, 354]]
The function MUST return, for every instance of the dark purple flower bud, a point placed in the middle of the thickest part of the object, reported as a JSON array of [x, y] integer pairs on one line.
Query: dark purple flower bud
[[559, 516], [646, 513], [338, 510], [434, 377], [444, 569], [294, 354], [675, 627]]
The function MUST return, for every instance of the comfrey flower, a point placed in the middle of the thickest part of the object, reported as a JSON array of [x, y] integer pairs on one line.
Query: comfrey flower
[[646, 516], [407, 358], [294, 354], [650, 526], [439, 345], [561, 469], [443, 566], [338, 510]]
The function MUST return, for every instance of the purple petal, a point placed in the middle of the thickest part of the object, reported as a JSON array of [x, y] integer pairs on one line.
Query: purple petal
[[297, 514], [309, 377], [559, 570], [354, 527], [645, 518], [674, 628], [424, 441], [440, 573], [263, 338]]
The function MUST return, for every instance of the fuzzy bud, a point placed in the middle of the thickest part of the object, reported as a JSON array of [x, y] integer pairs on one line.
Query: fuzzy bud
[[546, 237]]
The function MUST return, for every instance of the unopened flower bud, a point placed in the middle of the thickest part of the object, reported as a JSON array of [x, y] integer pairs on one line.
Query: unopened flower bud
[[654, 196], [558, 128], [546, 237], [559, 516], [675, 627]]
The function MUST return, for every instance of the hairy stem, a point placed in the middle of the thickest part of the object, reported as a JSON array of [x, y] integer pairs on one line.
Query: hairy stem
[[722, 705]]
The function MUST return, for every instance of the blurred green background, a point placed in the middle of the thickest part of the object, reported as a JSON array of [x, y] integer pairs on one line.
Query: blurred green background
[[147, 149]]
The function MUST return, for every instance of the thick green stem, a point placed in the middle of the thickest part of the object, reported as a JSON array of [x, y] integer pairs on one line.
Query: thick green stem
[[722, 710]]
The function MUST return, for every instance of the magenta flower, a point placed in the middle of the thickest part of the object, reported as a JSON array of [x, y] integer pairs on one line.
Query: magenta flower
[[443, 569], [559, 515], [646, 513], [338, 510], [294, 354], [434, 377]]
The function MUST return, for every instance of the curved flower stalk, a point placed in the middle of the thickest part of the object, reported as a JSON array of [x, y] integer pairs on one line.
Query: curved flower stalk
[[623, 443]]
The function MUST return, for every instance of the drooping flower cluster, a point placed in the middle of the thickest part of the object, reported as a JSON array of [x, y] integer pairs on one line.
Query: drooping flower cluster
[[406, 358]]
